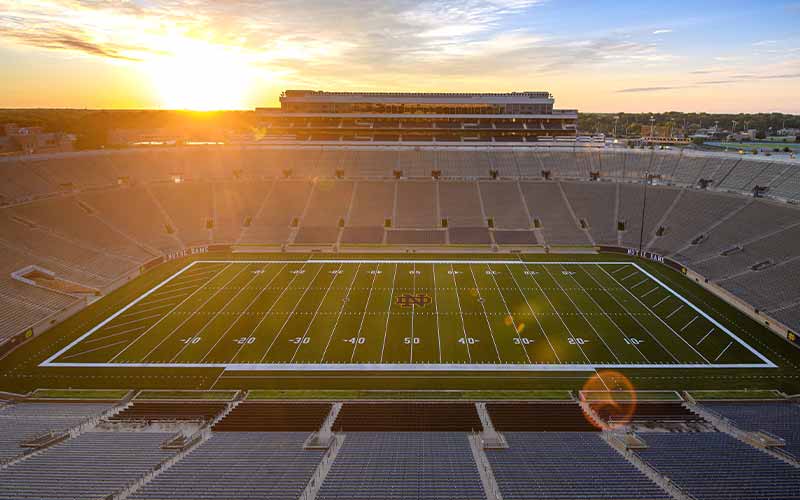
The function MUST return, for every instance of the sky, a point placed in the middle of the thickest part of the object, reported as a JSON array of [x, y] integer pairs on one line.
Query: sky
[[596, 56]]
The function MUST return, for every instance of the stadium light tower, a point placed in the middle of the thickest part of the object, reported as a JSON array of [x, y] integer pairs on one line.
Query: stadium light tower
[[644, 209], [652, 127]]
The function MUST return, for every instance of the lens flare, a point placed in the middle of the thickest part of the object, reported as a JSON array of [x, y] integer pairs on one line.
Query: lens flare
[[612, 408]]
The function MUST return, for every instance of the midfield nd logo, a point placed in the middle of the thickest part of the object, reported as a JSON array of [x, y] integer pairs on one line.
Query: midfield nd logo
[[408, 300]]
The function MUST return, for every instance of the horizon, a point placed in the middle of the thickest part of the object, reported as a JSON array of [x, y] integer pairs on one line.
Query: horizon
[[203, 56]]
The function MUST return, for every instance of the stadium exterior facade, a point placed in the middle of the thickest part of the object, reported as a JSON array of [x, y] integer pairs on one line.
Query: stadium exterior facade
[[442, 118]]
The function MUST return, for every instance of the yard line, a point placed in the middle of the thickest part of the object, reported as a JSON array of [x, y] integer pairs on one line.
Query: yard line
[[166, 315], [659, 318], [723, 351], [319, 306], [628, 276], [651, 291], [142, 311], [436, 312], [704, 337], [535, 316], [289, 316], [173, 290], [338, 316], [106, 337], [95, 349], [621, 268], [413, 310], [460, 312], [364, 315], [274, 302], [661, 301], [646, 330], [132, 321], [216, 314], [510, 315], [583, 314], [689, 323], [569, 332], [166, 299], [673, 312], [255, 299], [191, 315], [585, 292], [485, 316], [639, 283], [388, 312]]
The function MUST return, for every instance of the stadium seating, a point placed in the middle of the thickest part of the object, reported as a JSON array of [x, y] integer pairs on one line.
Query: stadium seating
[[407, 417], [503, 204], [713, 465], [546, 203], [170, 410], [255, 416], [96, 217], [403, 465], [23, 421], [645, 413], [534, 417], [779, 418], [239, 465], [92, 465], [595, 203], [547, 465], [417, 204]]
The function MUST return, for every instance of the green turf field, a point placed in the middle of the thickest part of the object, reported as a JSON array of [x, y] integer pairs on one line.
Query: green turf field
[[391, 315]]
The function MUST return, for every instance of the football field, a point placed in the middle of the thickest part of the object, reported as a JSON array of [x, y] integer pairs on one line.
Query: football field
[[410, 315]]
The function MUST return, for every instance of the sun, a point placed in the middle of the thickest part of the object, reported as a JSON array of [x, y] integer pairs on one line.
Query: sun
[[201, 77]]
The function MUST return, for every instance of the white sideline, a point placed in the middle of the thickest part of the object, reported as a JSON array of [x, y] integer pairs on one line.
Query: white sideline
[[49, 362]]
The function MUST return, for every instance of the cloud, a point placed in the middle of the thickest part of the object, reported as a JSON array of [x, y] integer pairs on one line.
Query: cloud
[[662, 31], [648, 89]]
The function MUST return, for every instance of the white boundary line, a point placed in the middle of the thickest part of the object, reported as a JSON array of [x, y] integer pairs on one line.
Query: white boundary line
[[767, 362], [49, 362]]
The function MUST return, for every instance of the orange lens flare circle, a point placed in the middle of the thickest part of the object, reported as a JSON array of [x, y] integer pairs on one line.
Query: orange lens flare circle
[[612, 397]]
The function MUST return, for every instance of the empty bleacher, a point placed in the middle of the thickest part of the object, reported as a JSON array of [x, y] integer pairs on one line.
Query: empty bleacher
[[256, 416], [779, 418], [170, 410], [239, 465], [23, 421], [407, 417], [90, 466], [503, 204], [95, 217], [595, 203], [568, 465], [645, 413], [403, 465], [416, 237], [547, 204], [716, 466], [417, 204], [460, 204], [539, 416], [631, 198], [693, 213]]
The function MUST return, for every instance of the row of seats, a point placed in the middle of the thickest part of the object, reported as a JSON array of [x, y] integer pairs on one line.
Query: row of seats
[[170, 410], [24, 421], [31, 177]]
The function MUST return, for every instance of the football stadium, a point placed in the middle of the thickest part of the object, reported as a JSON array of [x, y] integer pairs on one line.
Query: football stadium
[[400, 296]]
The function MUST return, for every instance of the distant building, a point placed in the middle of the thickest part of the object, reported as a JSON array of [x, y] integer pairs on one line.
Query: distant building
[[29, 140], [408, 117]]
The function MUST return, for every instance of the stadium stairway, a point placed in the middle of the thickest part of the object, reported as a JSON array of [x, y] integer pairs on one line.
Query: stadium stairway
[[618, 443]]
